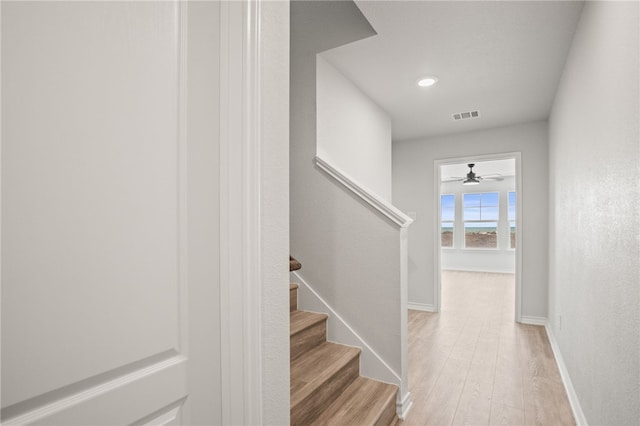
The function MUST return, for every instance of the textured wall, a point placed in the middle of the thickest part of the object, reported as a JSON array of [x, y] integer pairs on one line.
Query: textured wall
[[274, 192], [354, 134], [413, 190], [595, 250]]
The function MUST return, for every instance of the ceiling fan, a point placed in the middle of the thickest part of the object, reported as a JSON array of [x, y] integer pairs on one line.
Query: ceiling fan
[[472, 178]]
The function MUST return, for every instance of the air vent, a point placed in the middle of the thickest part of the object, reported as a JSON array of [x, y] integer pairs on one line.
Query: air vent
[[465, 115]]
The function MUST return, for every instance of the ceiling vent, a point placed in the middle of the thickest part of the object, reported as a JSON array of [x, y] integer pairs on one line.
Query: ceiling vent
[[465, 115]]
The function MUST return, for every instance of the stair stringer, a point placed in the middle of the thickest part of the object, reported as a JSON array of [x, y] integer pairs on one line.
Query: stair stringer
[[339, 331]]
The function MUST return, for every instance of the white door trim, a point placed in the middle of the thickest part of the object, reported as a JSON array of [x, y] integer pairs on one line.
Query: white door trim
[[240, 173], [517, 156]]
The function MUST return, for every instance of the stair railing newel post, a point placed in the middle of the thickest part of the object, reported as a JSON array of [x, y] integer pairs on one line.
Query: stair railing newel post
[[294, 265]]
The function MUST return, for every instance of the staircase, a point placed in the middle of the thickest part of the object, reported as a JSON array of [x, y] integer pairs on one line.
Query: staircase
[[326, 386]]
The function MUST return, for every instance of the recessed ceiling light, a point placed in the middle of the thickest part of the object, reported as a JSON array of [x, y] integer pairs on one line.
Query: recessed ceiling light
[[427, 81]]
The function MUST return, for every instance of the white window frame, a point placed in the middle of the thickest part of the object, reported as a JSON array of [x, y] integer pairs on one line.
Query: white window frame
[[496, 221]]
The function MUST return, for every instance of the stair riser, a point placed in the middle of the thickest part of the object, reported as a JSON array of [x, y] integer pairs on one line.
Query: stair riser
[[365, 402], [389, 415], [309, 409], [307, 339], [293, 299]]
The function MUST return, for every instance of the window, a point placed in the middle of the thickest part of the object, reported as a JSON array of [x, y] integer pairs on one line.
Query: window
[[512, 220], [447, 219], [481, 220]]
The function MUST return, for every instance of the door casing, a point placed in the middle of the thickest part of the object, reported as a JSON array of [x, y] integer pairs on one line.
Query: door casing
[[437, 294]]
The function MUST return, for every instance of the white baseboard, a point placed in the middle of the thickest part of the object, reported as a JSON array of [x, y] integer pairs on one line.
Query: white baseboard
[[533, 320], [578, 414], [371, 364], [479, 269], [421, 307], [403, 407]]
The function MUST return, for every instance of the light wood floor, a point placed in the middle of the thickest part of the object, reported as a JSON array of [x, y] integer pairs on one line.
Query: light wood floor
[[471, 364]]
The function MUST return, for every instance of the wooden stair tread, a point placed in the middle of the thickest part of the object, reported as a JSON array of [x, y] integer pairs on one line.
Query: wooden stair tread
[[301, 320], [318, 366], [363, 402], [326, 388]]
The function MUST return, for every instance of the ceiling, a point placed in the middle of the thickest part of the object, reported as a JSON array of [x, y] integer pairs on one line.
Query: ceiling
[[481, 168], [502, 58]]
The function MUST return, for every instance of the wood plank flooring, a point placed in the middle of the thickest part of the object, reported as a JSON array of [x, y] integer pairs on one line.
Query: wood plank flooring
[[471, 364]]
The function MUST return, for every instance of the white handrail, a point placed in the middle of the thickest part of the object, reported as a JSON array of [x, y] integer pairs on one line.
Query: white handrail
[[380, 204]]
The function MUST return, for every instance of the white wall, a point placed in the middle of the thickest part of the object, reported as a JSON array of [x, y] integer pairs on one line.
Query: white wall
[[274, 210], [354, 134], [413, 190], [350, 253], [594, 209], [502, 259]]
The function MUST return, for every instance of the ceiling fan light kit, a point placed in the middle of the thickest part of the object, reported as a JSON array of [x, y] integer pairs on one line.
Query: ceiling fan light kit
[[471, 181]]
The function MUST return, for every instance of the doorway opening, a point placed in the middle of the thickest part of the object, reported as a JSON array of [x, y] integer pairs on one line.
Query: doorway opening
[[478, 202]]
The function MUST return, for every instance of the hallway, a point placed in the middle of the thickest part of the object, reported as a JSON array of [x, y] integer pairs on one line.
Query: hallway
[[471, 364]]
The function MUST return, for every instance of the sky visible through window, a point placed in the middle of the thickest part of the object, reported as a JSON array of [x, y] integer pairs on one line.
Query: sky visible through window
[[448, 208], [477, 207], [512, 206], [480, 218], [480, 207]]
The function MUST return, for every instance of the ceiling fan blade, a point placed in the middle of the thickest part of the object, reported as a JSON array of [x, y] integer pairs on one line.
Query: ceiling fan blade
[[453, 179], [496, 178]]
